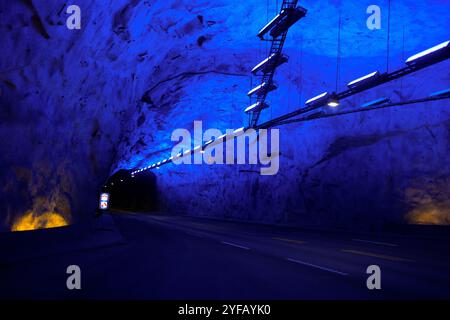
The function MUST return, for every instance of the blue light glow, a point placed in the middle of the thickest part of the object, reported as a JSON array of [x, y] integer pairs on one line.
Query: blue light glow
[[424, 54], [317, 98]]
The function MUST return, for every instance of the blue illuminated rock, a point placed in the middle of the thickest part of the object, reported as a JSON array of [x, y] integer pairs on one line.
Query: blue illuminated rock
[[77, 105]]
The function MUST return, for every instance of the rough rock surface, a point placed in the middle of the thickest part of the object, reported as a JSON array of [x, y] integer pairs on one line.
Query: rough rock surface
[[77, 105]]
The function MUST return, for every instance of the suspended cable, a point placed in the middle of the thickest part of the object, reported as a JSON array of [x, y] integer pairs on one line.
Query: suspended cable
[[384, 106], [388, 36], [338, 55]]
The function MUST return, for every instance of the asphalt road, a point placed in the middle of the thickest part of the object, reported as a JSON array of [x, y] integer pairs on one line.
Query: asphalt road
[[187, 258]]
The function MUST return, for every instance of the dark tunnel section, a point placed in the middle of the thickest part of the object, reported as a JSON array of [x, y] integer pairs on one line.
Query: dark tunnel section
[[138, 193]]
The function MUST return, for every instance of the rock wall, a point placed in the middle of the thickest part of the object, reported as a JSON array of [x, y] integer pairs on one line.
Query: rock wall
[[77, 105], [361, 170]]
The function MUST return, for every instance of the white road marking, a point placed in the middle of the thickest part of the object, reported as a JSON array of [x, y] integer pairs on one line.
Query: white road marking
[[377, 242], [317, 267], [376, 255], [235, 245]]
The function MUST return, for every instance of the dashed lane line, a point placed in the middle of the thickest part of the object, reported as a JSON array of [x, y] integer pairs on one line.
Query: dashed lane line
[[235, 245], [376, 255], [318, 267], [377, 242]]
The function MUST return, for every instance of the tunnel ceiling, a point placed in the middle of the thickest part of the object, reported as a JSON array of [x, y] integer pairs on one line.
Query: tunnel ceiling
[[77, 105]]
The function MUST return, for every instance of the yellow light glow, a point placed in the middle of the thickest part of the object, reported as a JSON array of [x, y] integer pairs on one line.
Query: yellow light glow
[[30, 221], [431, 215]]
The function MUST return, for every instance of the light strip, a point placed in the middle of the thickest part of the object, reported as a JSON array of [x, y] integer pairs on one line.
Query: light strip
[[317, 98], [441, 93], [424, 53], [258, 106], [370, 76], [239, 131], [262, 86], [256, 89], [262, 63], [253, 106], [288, 21], [271, 24], [236, 132], [376, 102]]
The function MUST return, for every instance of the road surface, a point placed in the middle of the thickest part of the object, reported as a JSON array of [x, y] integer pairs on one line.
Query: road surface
[[169, 257]]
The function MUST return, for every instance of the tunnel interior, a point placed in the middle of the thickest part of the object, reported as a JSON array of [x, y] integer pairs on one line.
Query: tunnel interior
[[86, 105], [135, 194], [224, 150]]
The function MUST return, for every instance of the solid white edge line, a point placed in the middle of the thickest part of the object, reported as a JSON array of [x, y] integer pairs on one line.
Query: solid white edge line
[[317, 267], [235, 245], [377, 242]]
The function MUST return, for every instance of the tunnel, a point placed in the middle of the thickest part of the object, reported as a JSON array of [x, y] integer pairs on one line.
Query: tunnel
[[103, 103], [137, 194], [269, 117]]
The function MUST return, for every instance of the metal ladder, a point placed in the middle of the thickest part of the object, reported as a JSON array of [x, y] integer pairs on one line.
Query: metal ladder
[[267, 77]]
